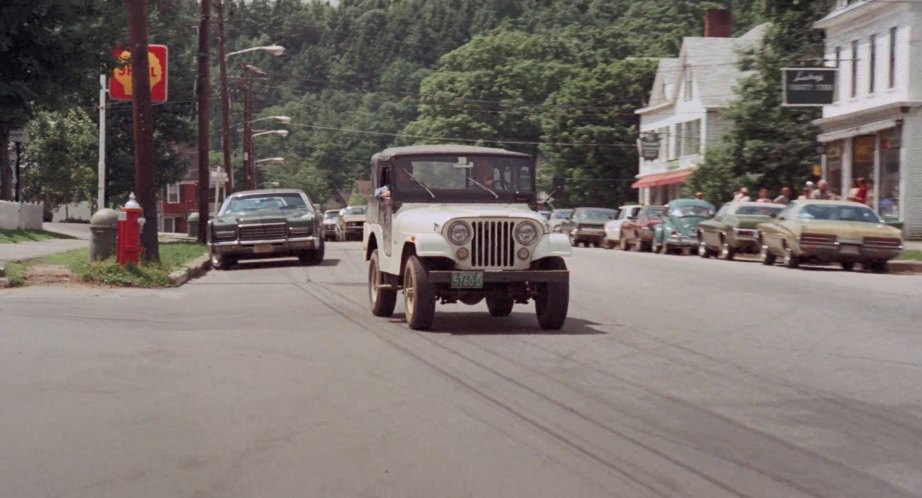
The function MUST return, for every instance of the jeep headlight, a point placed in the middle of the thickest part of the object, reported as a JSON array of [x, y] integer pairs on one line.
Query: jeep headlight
[[526, 233], [459, 233]]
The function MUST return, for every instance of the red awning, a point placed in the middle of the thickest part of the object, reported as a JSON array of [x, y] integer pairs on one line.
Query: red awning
[[661, 179]]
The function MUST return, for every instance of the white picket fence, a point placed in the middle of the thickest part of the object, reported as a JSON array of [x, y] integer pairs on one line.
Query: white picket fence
[[21, 215]]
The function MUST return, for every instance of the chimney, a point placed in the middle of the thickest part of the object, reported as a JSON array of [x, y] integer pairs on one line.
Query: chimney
[[718, 23]]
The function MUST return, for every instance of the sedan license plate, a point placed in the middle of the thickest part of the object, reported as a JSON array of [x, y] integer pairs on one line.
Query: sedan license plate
[[850, 250], [263, 248], [466, 280]]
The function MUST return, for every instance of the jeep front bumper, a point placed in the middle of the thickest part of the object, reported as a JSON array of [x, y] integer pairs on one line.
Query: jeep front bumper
[[507, 276]]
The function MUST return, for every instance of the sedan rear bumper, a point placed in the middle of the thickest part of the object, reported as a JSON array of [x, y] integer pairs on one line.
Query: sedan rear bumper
[[845, 252]]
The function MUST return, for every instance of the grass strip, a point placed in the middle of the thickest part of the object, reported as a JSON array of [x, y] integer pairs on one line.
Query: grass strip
[[910, 255], [172, 257], [16, 236]]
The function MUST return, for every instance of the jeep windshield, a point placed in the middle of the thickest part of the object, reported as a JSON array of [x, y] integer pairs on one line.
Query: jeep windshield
[[480, 178], [266, 202]]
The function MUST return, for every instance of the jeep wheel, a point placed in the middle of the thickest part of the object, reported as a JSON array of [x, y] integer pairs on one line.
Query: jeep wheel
[[553, 298], [223, 261], [419, 297], [382, 300], [499, 305]]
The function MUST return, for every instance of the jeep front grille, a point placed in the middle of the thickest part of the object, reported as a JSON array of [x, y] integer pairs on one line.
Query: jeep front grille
[[493, 245], [262, 231]]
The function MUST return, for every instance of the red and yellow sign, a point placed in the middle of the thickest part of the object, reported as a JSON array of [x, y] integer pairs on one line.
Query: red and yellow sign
[[120, 86]]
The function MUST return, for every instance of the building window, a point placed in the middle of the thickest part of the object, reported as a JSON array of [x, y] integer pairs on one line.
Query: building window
[[691, 138], [838, 65], [172, 193], [892, 64], [888, 186], [854, 69], [872, 62], [663, 136], [676, 142], [689, 90], [169, 225]]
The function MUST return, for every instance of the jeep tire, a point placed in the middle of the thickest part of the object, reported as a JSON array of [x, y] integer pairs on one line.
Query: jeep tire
[[553, 298], [381, 300], [419, 296], [500, 305]]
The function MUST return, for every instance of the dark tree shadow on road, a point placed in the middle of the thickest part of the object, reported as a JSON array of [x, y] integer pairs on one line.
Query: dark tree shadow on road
[[523, 323]]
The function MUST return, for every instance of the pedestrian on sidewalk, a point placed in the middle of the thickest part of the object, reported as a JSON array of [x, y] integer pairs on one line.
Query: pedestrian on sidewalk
[[763, 195], [742, 195], [822, 192], [785, 197]]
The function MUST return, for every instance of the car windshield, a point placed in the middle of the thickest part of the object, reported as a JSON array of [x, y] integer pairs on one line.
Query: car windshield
[[655, 213], [837, 212], [562, 214], [351, 211], [684, 211], [330, 215], [759, 210], [598, 214], [264, 202], [464, 178]]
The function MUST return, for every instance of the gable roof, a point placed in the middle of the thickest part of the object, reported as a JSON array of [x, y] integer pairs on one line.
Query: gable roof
[[713, 64]]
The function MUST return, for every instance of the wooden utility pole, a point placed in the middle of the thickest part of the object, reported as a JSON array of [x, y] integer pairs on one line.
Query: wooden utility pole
[[225, 98], [204, 89], [144, 167], [247, 133]]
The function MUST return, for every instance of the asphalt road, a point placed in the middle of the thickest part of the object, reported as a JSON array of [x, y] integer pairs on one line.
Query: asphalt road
[[674, 376]]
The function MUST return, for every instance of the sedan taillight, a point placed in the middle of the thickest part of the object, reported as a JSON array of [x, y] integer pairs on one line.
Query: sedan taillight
[[883, 242], [818, 239]]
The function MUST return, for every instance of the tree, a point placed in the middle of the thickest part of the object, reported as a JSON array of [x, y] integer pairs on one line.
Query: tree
[[768, 145], [51, 50]]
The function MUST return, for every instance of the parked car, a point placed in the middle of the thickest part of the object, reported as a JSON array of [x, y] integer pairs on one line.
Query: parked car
[[351, 220], [830, 231], [733, 231], [679, 229], [613, 227], [637, 233], [457, 227], [589, 225], [331, 225], [559, 222], [265, 224]]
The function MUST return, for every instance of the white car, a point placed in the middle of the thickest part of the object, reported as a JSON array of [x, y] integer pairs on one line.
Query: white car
[[613, 227], [452, 223]]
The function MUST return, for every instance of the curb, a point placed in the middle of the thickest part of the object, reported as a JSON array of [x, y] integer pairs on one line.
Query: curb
[[194, 269], [905, 266]]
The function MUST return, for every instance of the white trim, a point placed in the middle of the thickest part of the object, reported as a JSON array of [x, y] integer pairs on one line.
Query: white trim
[[856, 130]]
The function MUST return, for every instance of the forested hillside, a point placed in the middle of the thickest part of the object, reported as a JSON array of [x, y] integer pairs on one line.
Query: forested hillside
[[557, 78]]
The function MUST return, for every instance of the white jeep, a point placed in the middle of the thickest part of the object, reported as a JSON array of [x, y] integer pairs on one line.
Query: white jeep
[[452, 223]]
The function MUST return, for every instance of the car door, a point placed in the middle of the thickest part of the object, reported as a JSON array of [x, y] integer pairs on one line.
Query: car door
[[711, 229], [772, 233]]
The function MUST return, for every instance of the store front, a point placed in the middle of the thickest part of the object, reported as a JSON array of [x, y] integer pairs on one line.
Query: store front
[[872, 153], [658, 189]]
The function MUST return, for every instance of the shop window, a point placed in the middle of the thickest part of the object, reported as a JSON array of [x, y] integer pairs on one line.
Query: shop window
[[863, 161], [834, 164], [172, 193], [888, 203]]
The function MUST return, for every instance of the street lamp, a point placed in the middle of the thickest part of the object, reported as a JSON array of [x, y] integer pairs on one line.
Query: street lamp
[[280, 119], [275, 159], [275, 50], [250, 156]]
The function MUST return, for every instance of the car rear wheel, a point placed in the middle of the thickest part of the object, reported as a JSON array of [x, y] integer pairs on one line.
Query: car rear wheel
[[726, 252], [703, 249], [848, 265], [419, 296], [768, 259], [880, 267], [623, 243], [382, 300], [500, 305], [790, 259], [553, 298]]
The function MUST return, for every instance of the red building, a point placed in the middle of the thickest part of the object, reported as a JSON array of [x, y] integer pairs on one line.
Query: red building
[[177, 200]]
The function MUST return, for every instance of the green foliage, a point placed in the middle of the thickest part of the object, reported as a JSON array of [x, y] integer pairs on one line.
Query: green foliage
[[60, 162], [358, 199], [910, 255], [769, 145]]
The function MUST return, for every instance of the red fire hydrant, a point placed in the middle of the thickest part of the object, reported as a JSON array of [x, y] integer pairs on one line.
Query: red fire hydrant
[[130, 223]]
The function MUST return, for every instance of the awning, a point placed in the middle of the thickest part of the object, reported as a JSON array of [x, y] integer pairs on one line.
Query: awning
[[661, 179], [854, 131]]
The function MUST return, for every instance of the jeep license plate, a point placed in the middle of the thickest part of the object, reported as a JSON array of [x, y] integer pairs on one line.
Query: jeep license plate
[[466, 280]]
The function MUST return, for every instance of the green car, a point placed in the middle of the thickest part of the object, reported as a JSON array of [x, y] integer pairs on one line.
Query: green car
[[733, 230], [679, 229]]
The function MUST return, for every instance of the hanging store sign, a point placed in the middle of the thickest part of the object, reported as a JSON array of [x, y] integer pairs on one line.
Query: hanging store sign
[[648, 143], [808, 86]]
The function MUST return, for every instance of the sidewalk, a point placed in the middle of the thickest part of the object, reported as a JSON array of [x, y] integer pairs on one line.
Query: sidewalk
[[29, 250], [915, 245]]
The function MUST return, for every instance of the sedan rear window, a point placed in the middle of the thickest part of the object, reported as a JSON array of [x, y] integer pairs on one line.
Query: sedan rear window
[[837, 213]]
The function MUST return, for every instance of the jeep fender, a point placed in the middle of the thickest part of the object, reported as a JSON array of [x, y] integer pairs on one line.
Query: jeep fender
[[430, 245], [554, 244]]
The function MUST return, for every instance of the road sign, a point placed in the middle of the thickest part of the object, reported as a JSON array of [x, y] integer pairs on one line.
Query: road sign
[[808, 86], [120, 86], [218, 178], [19, 136]]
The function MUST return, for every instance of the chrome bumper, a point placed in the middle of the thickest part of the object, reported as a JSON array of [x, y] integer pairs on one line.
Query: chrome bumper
[[264, 247]]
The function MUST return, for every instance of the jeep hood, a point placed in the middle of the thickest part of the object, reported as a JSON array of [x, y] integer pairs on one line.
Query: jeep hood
[[417, 219]]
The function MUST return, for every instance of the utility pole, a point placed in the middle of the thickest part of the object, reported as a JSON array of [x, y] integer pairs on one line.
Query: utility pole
[[225, 99], [204, 89], [247, 132], [144, 153]]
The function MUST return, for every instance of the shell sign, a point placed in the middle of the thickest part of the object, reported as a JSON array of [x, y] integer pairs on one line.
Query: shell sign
[[120, 86]]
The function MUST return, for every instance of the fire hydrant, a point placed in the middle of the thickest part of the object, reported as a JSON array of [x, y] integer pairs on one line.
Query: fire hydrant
[[130, 224]]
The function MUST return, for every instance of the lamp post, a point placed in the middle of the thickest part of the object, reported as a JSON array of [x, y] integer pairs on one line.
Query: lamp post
[[275, 50], [250, 164]]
